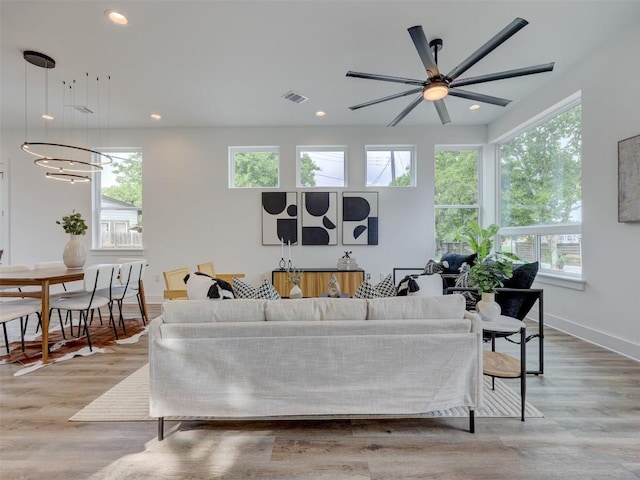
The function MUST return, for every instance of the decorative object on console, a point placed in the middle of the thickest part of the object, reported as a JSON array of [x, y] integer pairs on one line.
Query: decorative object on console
[[295, 276], [346, 262], [333, 288], [319, 218], [629, 180], [279, 219], [360, 218], [75, 252]]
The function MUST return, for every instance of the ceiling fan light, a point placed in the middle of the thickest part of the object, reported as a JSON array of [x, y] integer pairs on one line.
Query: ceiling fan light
[[435, 91]]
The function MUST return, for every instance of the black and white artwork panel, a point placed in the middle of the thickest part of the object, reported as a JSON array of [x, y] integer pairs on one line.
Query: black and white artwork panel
[[279, 218], [360, 218], [319, 218]]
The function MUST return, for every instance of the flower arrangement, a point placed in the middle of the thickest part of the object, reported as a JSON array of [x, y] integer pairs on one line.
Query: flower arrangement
[[73, 224], [294, 276]]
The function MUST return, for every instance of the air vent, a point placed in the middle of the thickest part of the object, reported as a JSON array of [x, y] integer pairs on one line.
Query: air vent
[[295, 97]]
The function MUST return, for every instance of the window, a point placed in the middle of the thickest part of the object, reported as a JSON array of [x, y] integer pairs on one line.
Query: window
[[254, 167], [456, 196], [390, 166], [540, 195], [321, 166], [117, 193]]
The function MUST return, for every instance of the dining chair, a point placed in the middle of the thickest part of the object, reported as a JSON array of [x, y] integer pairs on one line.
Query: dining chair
[[126, 285], [96, 278], [207, 268], [15, 303], [16, 310], [175, 288]]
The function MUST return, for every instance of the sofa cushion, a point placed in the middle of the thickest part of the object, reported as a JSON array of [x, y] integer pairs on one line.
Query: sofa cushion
[[455, 261], [242, 289], [512, 304], [428, 286], [400, 308], [198, 311], [316, 309]]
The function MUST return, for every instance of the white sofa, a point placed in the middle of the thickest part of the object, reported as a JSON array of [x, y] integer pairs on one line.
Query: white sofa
[[315, 357]]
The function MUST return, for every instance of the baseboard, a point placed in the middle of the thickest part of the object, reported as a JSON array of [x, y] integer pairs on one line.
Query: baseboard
[[601, 339]]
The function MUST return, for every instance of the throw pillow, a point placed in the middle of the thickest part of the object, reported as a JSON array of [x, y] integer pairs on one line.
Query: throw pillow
[[435, 267], [455, 261], [386, 288], [201, 286], [242, 289], [421, 285], [266, 291], [366, 290], [407, 284], [512, 304], [470, 298]]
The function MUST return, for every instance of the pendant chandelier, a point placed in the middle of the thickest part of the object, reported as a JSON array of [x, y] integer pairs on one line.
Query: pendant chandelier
[[68, 162]]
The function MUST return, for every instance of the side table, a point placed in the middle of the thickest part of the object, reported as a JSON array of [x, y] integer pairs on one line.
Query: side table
[[499, 365]]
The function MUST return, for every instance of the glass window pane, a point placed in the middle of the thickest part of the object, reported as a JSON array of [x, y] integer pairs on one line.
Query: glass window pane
[[540, 173], [253, 167], [456, 177], [524, 246], [561, 253], [449, 225], [321, 167], [390, 167]]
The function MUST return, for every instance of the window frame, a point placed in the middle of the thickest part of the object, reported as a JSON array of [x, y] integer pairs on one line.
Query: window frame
[[413, 149], [540, 230], [322, 148], [96, 211], [246, 149]]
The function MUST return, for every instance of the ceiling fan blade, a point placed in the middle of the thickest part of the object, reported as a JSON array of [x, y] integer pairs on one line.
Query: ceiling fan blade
[[384, 99], [386, 78], [479, 97], [443, 113], [488, 47], [518, 72], [422, 45], [406, 111]]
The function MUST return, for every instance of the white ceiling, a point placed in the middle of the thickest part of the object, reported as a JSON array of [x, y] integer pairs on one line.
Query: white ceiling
[[228, 63]]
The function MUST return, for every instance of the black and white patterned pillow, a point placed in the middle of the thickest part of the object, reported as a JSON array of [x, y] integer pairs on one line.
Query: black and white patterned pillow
[[462, 281], [435, 267], [386, 288], [266, 291], [366, 290], [407, 285], [243, 289]]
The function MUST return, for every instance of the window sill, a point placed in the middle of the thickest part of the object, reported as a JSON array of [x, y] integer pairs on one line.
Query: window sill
[[560, 281], [118, 252]]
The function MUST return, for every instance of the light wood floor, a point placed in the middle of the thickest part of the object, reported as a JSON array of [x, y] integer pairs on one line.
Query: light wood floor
[[591, 431]]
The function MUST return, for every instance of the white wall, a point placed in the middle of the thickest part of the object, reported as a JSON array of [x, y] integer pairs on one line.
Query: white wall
[[607, 310], [190, 216]]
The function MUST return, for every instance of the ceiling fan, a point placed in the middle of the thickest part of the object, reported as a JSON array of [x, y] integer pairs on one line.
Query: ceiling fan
[[437, 86]]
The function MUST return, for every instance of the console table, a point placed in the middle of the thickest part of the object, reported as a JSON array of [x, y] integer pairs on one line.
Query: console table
[[315, 281]]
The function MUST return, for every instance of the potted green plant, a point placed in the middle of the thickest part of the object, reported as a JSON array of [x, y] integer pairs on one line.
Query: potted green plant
[[75, 253], [295, 276], [490, 269]]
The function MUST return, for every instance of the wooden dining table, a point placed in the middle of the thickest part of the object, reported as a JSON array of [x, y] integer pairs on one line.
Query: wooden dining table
[[44, 278]]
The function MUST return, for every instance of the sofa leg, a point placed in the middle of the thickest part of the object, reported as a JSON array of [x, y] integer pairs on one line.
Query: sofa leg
[[160, 429], [472, 421]]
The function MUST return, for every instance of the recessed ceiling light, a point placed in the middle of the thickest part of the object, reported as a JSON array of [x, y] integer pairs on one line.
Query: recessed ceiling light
[[46, 116], [116, 17], [155, 116], [320, 113], [475, 106]]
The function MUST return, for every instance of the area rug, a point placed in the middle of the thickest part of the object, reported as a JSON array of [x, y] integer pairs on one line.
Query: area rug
[[128, 401], [102, 339]]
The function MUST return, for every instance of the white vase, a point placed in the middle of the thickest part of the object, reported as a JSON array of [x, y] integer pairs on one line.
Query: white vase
[[488, 308], [75, 253], [295, 292]]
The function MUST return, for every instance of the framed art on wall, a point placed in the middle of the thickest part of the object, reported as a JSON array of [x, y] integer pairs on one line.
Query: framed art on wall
[[319, 218], [279, 218], [360, 218], [629, 179]]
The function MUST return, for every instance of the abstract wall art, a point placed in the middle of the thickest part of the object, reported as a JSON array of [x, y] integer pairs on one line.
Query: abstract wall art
[[279, 218], [629, 180], [319, 218], [360, 218]]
